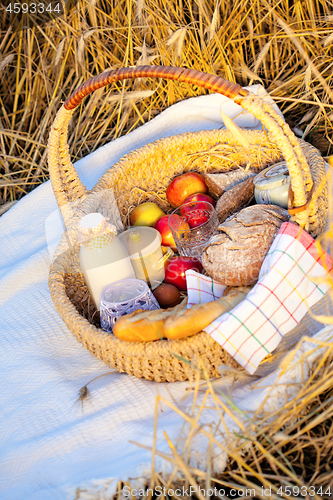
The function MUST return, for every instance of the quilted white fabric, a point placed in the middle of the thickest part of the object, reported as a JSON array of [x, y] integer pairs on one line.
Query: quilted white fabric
[[52, 442]]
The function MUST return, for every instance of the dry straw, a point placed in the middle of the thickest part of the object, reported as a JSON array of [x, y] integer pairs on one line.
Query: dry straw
[[239, 39], [279, 450]]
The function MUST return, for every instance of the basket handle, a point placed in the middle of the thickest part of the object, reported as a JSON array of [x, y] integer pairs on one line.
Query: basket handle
[[66, 184], [192, 76]]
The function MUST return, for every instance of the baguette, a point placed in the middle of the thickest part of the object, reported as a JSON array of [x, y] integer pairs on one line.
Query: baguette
[[186, 323], [142, 326], [177, 322]]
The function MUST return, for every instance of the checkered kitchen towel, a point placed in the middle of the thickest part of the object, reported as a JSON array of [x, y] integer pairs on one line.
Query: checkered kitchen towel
[[293, 277]]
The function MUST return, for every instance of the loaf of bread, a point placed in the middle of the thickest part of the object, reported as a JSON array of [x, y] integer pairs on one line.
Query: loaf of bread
[[194, 320], [234, 257], [140, 326], [235, 199], [219, 183]]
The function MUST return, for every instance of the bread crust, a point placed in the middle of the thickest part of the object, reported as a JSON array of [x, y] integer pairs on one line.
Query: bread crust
[[142, 326], [234, 257], [194, 320], [235, 199], [219, 183]]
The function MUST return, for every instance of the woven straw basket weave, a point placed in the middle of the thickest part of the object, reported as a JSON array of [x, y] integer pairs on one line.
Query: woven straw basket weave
[[144, 175]]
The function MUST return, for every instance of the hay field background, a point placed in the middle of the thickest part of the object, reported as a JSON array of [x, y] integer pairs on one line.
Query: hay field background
[[285, 45], [243, 40]]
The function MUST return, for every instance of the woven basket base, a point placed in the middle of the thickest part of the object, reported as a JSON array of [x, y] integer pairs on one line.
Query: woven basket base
[[159, 361]]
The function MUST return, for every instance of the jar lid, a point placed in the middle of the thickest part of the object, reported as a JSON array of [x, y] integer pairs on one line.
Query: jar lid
[[141, 239], [272, 177]]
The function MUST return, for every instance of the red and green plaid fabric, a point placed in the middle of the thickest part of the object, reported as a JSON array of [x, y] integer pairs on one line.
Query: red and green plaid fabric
[[294, 276]]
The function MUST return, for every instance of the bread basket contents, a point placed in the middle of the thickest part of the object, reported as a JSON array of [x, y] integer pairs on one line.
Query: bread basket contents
[[190, 228], [234, 257], [219, 183], [174, 323], [235, 198], [232, 254]]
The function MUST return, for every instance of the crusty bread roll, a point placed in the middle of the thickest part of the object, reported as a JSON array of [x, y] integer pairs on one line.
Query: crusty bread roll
[[185, 323], [234, 257], [235, 199], [219, 183]]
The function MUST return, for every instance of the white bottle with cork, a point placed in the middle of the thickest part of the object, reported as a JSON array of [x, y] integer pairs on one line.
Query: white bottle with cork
[[103, 258]]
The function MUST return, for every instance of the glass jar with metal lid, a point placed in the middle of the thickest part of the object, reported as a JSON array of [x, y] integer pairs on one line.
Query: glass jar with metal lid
[[272, 185]]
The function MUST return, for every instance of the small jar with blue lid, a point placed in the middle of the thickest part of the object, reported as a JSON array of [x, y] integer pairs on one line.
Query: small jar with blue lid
[[272, 185]]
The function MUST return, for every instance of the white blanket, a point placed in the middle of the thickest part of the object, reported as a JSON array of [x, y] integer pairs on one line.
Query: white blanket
[[51, 442]]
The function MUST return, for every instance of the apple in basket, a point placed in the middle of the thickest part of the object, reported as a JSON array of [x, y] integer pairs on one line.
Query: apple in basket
[[194, 204], [199, 197], [162, 226], [183, 186], [175, 270], [146, 214]]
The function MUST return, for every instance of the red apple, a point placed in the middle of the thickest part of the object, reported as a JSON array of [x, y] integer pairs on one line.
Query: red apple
[[200, 197], [162, 226], [196, 213], [183, 186], [175, 270]]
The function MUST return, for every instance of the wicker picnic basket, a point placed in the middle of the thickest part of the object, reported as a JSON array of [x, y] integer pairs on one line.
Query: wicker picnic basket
[[143, 175]]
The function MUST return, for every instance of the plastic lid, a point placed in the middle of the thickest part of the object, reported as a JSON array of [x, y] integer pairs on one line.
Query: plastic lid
[[273, 176], [141, 239]]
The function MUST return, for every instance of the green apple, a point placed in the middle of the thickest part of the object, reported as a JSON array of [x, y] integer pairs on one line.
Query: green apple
[[146, 214]]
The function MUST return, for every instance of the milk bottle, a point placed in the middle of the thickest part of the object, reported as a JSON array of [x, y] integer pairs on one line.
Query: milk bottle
[[103, 258]]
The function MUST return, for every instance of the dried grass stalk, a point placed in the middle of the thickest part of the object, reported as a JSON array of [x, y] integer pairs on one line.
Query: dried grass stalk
[[213, 36]]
